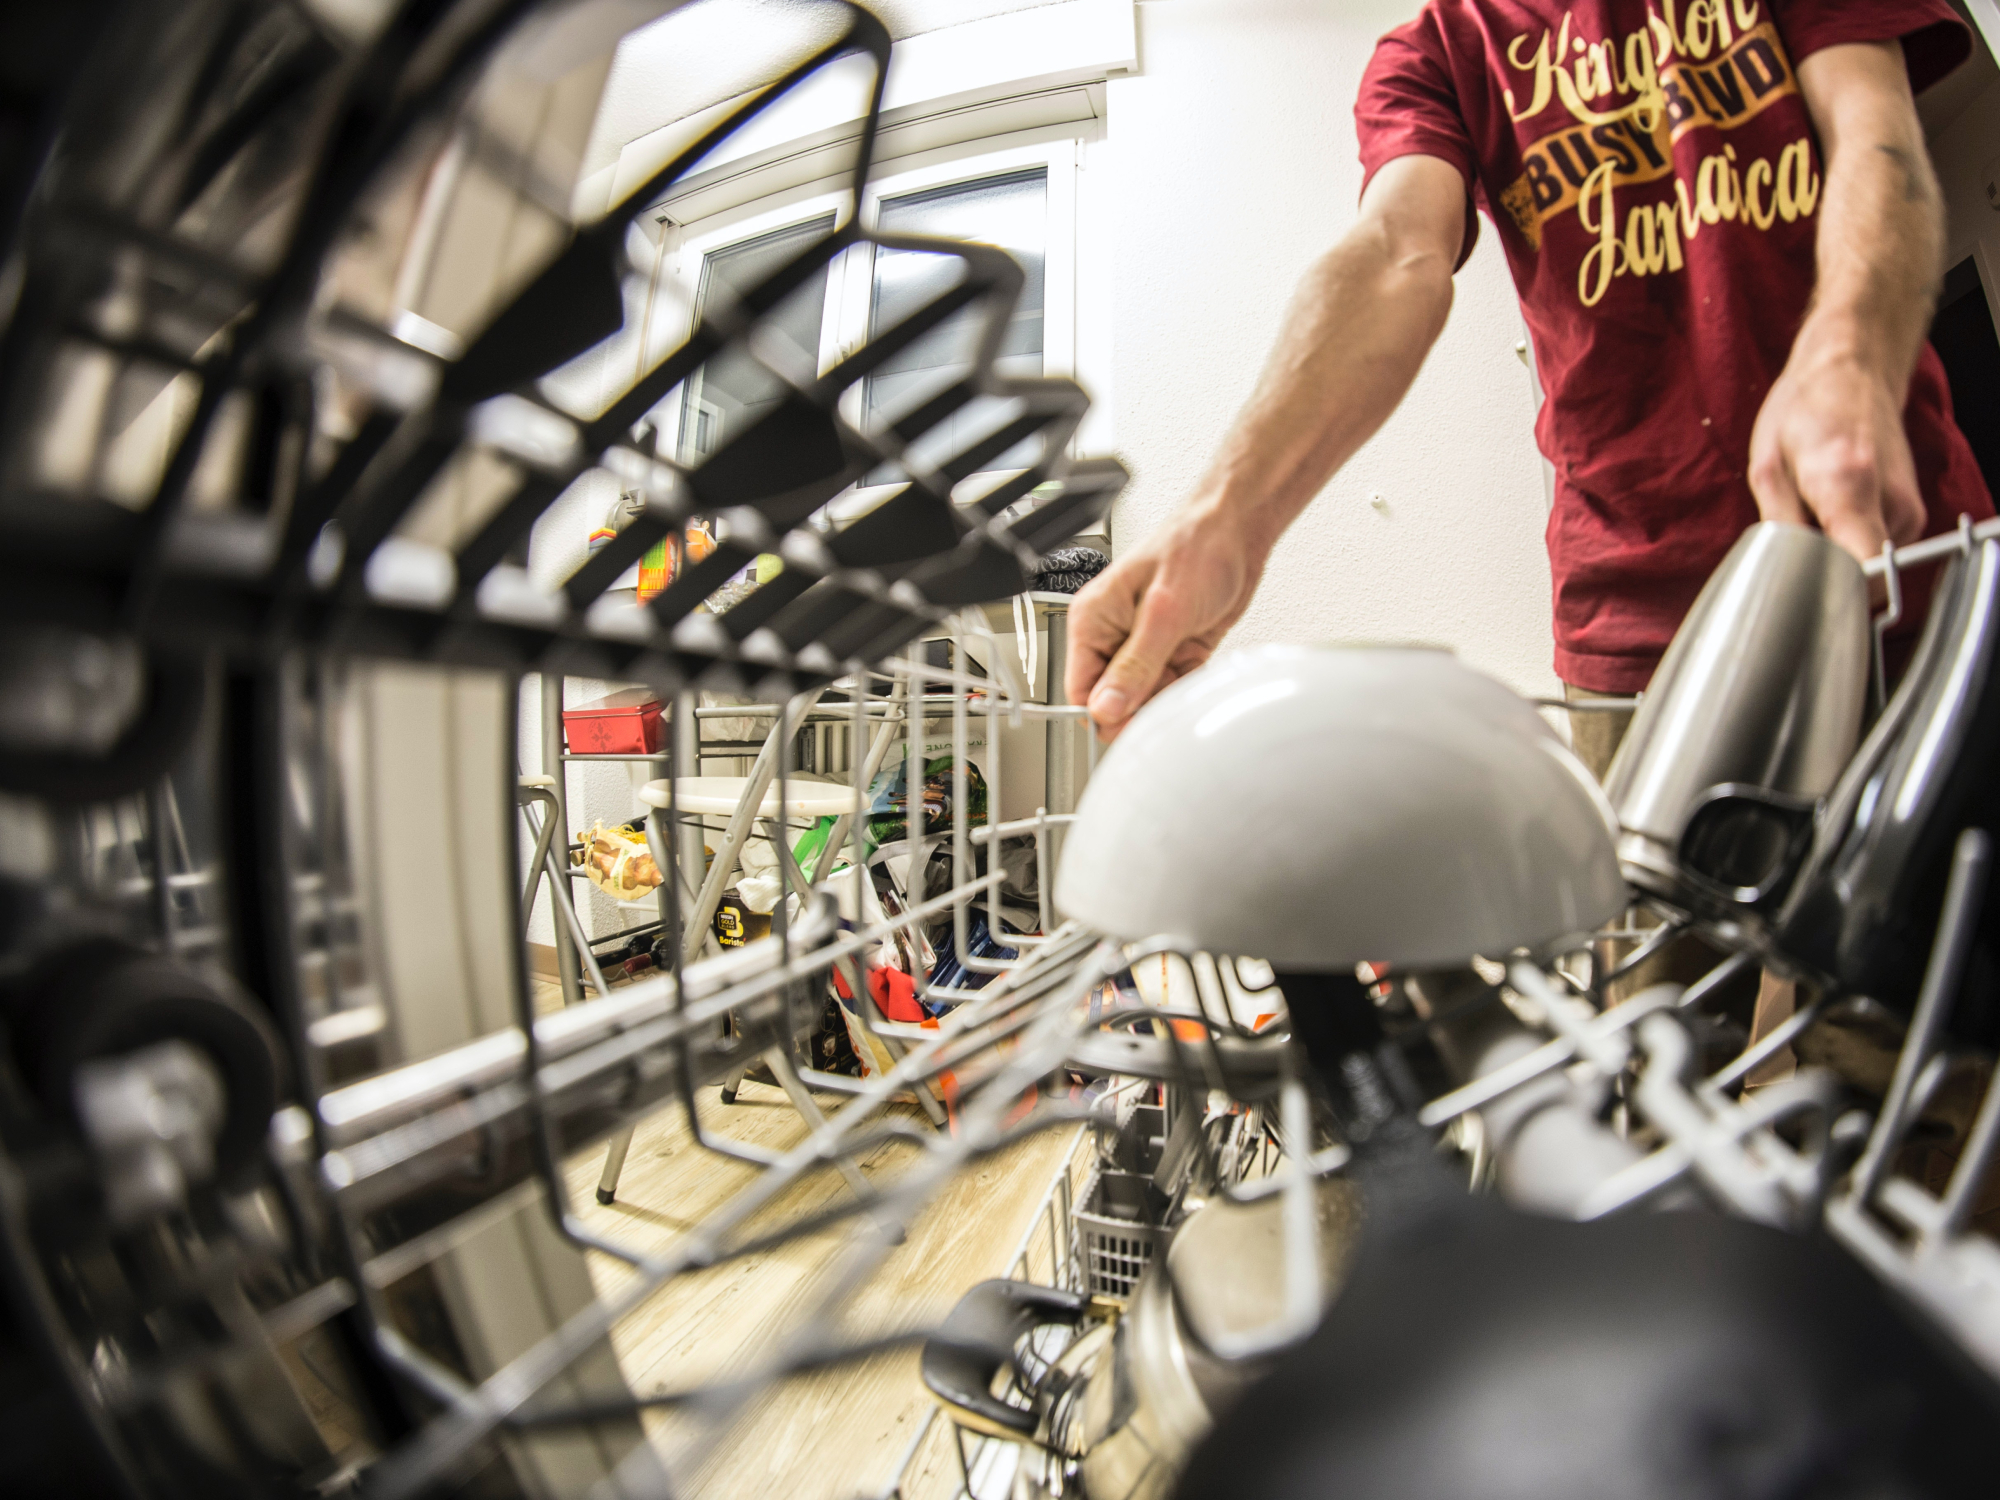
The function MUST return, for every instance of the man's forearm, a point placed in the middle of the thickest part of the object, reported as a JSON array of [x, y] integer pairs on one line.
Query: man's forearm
[[1356, 334], [1881, 225], [1829, 446]]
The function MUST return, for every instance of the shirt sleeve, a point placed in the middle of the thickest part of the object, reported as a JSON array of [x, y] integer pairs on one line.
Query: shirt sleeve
[[1935, 41], [1408, 106]]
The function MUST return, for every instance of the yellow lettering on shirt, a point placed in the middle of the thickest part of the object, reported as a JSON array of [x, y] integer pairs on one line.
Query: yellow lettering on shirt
[[1670, 96], [1646, 239]]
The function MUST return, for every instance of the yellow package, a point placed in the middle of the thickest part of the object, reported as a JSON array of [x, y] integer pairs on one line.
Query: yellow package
[[617, 861]]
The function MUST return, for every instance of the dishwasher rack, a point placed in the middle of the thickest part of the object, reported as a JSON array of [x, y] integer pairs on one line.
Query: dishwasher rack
[[231, 599], [223, 177]]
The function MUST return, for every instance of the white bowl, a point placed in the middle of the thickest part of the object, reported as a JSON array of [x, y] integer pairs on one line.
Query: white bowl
[[1319, 807]]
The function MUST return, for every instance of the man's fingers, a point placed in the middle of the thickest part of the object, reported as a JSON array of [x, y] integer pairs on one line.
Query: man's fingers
[[1100, 617], [1083, 664], [1778, 498], [1844, 489], [1135, 670], [1903, 512]]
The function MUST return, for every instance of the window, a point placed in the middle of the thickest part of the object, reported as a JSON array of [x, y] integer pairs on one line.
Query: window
[[732, 390], [1022, 200], [1009, 211]]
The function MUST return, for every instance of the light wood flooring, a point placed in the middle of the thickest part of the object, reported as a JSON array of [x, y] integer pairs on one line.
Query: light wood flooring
[[839, 1434]]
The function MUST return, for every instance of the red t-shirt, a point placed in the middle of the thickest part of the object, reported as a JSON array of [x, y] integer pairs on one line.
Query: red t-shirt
[[1653, 172]]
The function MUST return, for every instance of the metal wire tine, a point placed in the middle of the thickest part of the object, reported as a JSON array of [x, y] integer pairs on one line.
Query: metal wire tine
[[1694, 1138], [988, 833], [1665, 933], [683, 950], [535, 492], [807, 1361], [1210, 1074], [1958, 923], [1551, 1055], [1633, 1185], [1789, 1196], [1300, 1230], [981, 1128], [331, 193], [1779, 1037], [547, 1154], [470, 1419], [1214, 1075], [864, 32], [1042, 868], [1715, 979], [961, 817], [1606, 1051], [1968, 1178], [437, 1382], [851, 827], [781, 829], [1321, 1163], [1212, 989], [1892, 613], [913, 796]]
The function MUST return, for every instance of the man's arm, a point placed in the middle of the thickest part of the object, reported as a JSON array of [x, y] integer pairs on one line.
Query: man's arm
[[1358, 329], [1829, 444]]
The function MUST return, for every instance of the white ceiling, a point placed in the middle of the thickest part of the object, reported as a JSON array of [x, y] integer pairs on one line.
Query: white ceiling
[[712, 50]]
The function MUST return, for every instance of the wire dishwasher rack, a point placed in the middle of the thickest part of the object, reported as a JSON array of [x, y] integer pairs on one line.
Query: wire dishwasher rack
[[204, 623], [228, 1146]]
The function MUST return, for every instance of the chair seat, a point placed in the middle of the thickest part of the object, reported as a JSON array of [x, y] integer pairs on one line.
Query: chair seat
[[721, 795]]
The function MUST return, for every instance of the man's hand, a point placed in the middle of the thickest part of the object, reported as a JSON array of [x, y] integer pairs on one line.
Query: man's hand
[[1829, 445], [1154, 616]]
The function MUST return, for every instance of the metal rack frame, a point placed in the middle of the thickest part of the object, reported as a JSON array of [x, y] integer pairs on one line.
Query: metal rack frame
[[257, 611]]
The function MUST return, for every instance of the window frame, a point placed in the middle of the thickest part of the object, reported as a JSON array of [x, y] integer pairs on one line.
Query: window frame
[[675, 284]]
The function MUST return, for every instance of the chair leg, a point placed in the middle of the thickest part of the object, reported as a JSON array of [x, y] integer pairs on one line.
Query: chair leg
[[802, 1101], [614, 1163]]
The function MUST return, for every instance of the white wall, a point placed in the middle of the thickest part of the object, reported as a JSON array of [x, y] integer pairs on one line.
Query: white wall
[[1231, 162]]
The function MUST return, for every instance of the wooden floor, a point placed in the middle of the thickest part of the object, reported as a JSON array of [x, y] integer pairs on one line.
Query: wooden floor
[[840, 1434]]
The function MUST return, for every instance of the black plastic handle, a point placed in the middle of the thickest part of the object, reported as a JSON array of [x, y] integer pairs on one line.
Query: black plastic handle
[[978, 1339], [1733, 827]]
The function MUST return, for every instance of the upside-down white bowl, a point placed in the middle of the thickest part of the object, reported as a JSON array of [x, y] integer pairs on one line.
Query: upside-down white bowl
[[1319, 807]]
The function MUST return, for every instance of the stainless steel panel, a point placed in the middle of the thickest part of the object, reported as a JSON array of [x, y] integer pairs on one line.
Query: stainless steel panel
[[1764, 684]]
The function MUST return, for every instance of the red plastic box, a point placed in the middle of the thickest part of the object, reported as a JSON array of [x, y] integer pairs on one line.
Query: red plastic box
[[625, 723]]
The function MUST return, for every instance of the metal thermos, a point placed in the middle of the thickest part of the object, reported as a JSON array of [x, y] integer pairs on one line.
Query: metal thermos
[[1764, 685]]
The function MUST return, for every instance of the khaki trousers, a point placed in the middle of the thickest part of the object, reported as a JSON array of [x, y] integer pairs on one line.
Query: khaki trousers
[[1594, 737]]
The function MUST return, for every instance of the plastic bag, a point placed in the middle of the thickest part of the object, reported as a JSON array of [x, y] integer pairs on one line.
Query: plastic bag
[[617, 861], [888, 803]]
